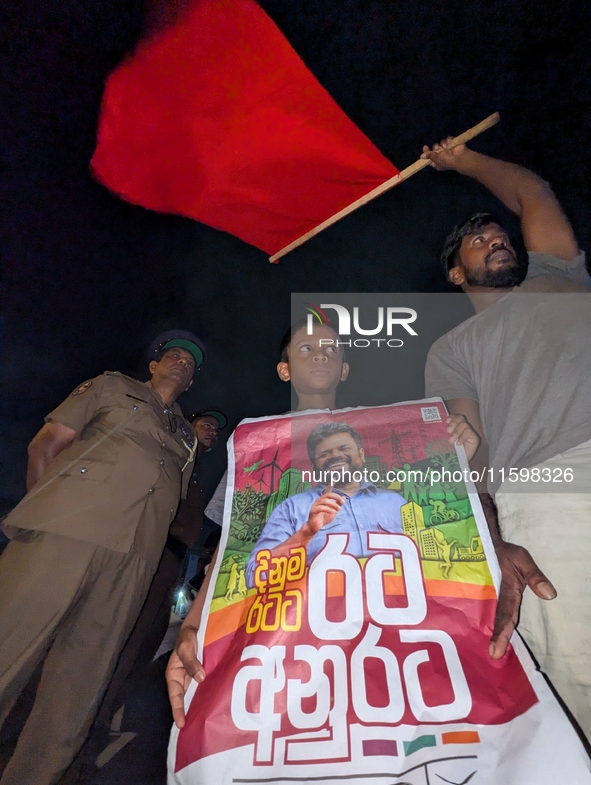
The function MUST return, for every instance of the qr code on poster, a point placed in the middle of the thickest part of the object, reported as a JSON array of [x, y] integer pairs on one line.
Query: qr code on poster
[[430, 414]]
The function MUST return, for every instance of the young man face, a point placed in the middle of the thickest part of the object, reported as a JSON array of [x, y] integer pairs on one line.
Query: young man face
[[207, 430], [487, 259], [312, 366]]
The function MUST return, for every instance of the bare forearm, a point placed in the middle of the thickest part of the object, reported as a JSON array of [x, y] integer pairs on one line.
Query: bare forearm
[[511, 183], [544, 226], [51, 440], [36, 466], [479, 464], [490, 513], [41, 452]]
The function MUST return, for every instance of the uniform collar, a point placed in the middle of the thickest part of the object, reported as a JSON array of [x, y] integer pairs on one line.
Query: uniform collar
[[174, 408]]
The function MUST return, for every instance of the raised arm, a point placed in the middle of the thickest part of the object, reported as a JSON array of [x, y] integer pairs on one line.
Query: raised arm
[[544, 226], [49, 441]]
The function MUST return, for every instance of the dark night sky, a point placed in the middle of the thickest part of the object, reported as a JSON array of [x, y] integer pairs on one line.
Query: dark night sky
[[87, 280]]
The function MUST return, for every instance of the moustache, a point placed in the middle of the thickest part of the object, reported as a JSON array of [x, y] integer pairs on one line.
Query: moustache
[[502, 247]]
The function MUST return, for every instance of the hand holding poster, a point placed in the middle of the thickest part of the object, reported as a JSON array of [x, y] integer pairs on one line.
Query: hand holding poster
[[348, 619]]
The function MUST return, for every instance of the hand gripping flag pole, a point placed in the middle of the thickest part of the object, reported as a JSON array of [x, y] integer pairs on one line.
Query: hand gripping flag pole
[[471, 133]]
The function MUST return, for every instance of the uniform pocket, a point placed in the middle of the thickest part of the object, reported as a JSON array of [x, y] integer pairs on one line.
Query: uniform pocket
[[89, 470]]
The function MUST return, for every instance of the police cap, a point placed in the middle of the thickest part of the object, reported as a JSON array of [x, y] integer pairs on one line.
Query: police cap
[[182, 339], [215, 413]]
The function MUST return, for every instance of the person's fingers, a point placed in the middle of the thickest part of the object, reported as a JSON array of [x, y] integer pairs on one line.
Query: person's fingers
[[182, 667], [327, 504], [519, 570], [176, 696], [330, 496], [457, 438], [326, 509], [461, 430], [186, 652], [454, 423], [505, 618], [428, 155], [458, 427], [532, 575], [453, 419], [461, 433], [190, 662], [177, 682], [541, 586], [327, 500]]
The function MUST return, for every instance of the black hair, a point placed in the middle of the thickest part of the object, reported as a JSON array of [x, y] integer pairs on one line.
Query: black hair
[[326, 429], [288, 337], [453, 241]]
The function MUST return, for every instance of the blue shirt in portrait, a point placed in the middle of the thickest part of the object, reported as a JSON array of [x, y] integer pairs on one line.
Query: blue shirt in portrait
[[370, 509]]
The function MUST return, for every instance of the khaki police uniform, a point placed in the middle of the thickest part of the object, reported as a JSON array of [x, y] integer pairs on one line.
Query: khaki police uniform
[[153, 620], [86, 542]]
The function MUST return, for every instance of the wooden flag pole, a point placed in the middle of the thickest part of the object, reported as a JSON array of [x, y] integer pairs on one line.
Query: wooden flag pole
[[493, 119]]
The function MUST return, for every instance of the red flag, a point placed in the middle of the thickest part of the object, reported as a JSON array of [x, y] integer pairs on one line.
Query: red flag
[[218, 119]]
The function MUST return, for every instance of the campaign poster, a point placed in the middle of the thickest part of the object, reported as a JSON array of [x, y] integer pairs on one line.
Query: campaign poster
[[356, 650]]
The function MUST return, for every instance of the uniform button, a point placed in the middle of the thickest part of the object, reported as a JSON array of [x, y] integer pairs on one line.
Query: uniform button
[[135, 406], [163, 444], [161, 463], [151, 490], [83, 470]]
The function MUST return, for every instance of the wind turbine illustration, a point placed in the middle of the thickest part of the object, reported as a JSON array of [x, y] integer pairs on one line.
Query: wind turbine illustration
[[261, 482], [272, 465]]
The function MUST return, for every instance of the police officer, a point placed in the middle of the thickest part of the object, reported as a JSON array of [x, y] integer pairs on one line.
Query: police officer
[[104, 479], [186, 527], [152, 623]]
